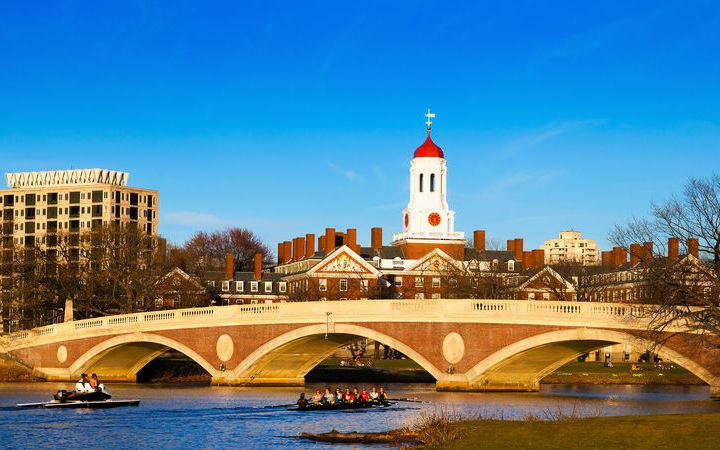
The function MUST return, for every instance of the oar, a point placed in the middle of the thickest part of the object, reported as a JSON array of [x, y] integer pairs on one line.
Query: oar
[[276, 406], [414, 400]]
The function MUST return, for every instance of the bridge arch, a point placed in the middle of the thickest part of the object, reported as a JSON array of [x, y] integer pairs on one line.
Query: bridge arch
[[122, 357], [290, 356], [526, 362]]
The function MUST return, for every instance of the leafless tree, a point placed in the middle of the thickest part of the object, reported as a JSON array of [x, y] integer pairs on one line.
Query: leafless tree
[[685, 290], [206, 251]]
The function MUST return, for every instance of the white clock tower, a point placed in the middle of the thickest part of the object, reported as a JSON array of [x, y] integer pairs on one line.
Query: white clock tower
[[427, 216]]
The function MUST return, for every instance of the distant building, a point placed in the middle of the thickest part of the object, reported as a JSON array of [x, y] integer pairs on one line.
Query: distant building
[[571, 248], [39, 205]]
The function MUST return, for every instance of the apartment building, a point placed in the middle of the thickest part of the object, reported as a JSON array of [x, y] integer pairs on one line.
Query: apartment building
[[40, 205]]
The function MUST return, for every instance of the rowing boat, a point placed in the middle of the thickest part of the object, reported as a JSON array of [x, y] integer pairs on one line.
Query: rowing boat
[[340, 406], [96, 400]]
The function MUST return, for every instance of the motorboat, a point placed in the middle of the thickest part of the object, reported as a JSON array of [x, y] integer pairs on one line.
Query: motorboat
[[72, 399]]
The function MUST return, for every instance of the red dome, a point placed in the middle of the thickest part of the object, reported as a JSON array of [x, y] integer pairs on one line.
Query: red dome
[[429, 150]]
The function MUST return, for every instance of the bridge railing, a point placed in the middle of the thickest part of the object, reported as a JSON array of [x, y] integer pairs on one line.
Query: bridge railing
[[444, 310]]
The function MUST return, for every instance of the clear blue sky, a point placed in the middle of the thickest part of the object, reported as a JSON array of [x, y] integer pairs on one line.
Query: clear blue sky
[[287, 117]]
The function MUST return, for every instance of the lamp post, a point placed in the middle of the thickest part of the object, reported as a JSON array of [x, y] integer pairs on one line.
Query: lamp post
[[327, 323]]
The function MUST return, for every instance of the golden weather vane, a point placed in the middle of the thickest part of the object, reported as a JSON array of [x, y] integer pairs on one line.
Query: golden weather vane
[[429, 116]]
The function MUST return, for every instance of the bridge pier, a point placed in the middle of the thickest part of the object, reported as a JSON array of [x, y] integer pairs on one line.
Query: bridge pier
[[715, 392], [460, 383], [229, 379]]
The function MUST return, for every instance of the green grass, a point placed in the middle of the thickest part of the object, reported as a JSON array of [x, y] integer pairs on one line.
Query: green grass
[[622, 373], [692, 431]]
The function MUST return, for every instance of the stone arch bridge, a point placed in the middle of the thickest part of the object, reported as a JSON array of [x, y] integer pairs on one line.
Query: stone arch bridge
[[467, 345]]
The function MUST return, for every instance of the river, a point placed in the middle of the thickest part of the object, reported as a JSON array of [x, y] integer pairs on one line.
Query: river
[[176, 416]]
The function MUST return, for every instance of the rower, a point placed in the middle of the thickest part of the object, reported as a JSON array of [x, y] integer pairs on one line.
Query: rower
[[318, 397], [382, 396], [302, 401]]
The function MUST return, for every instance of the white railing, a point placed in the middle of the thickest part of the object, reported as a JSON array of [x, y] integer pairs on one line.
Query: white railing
[[443, 310]]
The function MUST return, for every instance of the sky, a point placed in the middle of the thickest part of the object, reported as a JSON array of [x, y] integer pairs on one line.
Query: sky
[[289, 117]]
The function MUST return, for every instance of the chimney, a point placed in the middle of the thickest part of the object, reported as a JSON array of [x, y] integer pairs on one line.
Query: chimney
[[329, 240], [538, 257], [693, 247], [229, 266], [479, 240], [528, 260], [511, 245], [258, 266], [518, 249], [352, 239], [619, 256], [376, 238], [280, 253], [287, 251], [647, 251], [321, 243], [607, 258], [636, 251], [301, 248], [295, 253], [309, 245], [673, 248]]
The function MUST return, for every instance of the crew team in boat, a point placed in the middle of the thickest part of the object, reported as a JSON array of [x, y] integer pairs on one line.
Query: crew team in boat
[[376, 396]]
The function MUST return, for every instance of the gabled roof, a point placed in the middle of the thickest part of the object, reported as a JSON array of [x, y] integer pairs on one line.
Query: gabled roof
[[547, 271], [436, 261], [343, 260]]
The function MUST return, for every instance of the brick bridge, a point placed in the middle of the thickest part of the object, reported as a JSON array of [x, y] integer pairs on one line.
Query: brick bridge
[[491, 345]]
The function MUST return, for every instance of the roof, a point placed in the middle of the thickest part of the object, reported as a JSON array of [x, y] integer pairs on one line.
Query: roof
[[428, 150]]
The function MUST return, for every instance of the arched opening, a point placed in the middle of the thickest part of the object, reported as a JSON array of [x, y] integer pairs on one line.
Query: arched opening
[[289, 357], [124, 357], [432, 182], [421, 182]]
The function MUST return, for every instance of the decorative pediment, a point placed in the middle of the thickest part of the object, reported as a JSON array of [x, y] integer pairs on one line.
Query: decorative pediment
[[436, 261], [344, 261], [546, 278]]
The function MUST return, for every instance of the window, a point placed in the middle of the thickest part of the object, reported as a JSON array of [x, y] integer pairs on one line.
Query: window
[[282, 286], [436, 296], [432, 182], [421, 182], [253, 286], [419, 296], [418, 281], [158, 303], [268, 286], [322, 286], [511, 266], [225, 286], [363, 285], [436, 282], [239, 286], [239, 302], [531, 296], [453, 282], [546, 296], [343, 285]]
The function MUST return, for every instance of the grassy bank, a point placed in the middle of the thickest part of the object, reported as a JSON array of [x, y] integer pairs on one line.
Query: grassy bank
[[696, 431], [621, 373]]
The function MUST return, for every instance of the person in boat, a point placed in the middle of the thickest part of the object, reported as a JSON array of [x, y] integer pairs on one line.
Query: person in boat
[[302, 401], [374, 394], [338, 395], [348, 396], [364, 396], [328, 398], [318, 397], [356, 394], [97, 385], [382, 396]]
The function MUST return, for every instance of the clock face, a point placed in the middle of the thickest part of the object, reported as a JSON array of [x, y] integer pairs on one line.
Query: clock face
[[434, 219], [407, 220]]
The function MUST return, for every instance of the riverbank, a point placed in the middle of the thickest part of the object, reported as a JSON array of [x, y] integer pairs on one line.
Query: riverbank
[[12, 371], [696, 431]]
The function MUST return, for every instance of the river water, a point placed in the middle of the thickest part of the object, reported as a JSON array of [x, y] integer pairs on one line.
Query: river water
[[175, 416]]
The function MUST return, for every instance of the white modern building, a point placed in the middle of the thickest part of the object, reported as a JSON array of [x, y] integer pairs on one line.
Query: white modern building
[[570, 247]]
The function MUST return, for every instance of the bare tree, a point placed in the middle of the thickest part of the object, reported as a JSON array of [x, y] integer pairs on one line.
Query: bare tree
[[204, 252], [684, 290]]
